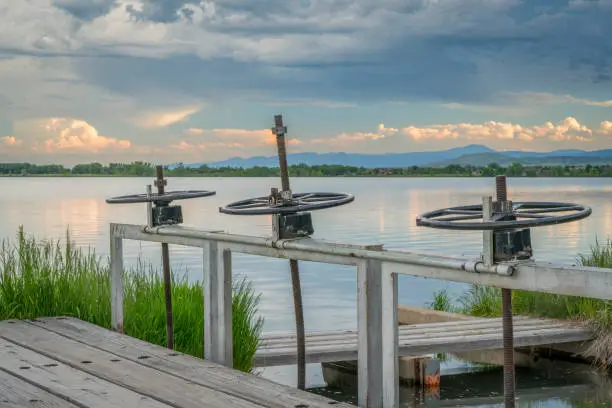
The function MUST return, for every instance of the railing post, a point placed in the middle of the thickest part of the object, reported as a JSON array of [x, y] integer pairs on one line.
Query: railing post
[[116, 254], [217, 291], [390, 340], [377, 333]]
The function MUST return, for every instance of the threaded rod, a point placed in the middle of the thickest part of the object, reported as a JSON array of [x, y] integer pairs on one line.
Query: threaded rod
[[166, 269], [296, 285], [507, 323]]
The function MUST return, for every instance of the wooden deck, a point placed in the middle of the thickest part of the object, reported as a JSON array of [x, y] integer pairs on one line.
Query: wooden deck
[[68, 363], [418, 339]]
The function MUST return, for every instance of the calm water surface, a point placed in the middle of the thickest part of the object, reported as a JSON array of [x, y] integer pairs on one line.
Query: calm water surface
[[384, 212]]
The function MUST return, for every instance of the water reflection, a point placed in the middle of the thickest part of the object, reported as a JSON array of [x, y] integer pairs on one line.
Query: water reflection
[[384, 211], [565, 386]]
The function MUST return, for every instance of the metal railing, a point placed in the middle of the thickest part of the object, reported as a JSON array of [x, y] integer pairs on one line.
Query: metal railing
[[377, 304]]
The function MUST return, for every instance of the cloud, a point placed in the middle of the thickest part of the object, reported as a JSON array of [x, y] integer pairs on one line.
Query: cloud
[[194, 131], [67, 136], [215, 143], [605, 127], [85, 10], [502, 135], [163, 118], [186, 146], [549, 98], [383, 130], [250, 137], [568, 129], [10, 141], [339, 51], [346, 139], [128, 65], [312, 102]]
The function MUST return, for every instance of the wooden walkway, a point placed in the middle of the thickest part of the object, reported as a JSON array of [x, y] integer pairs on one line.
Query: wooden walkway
[[67, 363], [418, 339]]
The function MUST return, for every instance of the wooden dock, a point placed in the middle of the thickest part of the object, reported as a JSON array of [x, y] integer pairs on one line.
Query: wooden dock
[[419, 339], [65, 362]]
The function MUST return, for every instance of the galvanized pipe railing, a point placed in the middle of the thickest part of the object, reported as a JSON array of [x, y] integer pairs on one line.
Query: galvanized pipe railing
[[377, 271]]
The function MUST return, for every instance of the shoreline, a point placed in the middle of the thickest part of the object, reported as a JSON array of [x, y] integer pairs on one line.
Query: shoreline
[[170, 175]]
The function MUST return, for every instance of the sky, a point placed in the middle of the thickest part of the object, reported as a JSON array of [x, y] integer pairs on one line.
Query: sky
[[197, 81]]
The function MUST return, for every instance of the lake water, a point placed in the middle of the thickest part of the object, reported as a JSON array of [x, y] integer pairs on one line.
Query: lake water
[[384, 211]]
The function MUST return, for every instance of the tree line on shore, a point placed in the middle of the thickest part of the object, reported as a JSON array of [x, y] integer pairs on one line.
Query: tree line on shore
[[144, 169]]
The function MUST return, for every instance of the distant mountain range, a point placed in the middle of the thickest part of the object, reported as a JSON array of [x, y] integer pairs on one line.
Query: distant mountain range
[[477, 155]]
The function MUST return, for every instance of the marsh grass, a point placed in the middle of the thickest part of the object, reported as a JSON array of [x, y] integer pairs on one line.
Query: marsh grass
[[486, 302], [44, 278]]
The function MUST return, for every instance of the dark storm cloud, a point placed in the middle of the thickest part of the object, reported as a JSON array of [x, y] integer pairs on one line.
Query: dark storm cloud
[[399, 74], [162, 11], [86, 9], [446, 50]]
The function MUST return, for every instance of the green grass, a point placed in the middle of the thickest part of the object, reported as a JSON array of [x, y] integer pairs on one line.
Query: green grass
[[44, 278], [486, 302]]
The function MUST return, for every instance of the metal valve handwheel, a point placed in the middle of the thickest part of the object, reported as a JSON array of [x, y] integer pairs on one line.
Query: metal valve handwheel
[[521, 215], [164, 198], [297, 203]]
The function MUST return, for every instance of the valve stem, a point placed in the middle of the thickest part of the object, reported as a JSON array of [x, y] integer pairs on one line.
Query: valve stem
[[280, 130], [507, 323]]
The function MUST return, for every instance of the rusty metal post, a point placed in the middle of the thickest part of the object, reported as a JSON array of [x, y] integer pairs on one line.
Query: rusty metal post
[[280, 130], [508, 330], [160, 183]]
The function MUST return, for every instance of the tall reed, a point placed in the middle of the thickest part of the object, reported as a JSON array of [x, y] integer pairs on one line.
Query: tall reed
[[486, 302], [44, 278]]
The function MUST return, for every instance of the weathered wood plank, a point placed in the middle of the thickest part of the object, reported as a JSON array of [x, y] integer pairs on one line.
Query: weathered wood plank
[[156, 384], [414, 331], [206, 373], [65, 382], [440, 326], [16, 393], [402, 338], [415, 345], [453, 339]]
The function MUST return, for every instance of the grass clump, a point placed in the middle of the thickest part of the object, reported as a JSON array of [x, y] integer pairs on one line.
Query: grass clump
[[42, 278], [485, 301]]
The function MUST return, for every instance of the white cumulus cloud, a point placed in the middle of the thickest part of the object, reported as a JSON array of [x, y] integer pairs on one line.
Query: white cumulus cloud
[[568, 132], [163, 118], [67, 136], [10, 141]]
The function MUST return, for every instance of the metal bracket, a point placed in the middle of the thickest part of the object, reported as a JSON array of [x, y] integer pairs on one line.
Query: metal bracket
[[158, 183], [280, 130], [149, 206], [488, 256], [167, 215], [292, 225]]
